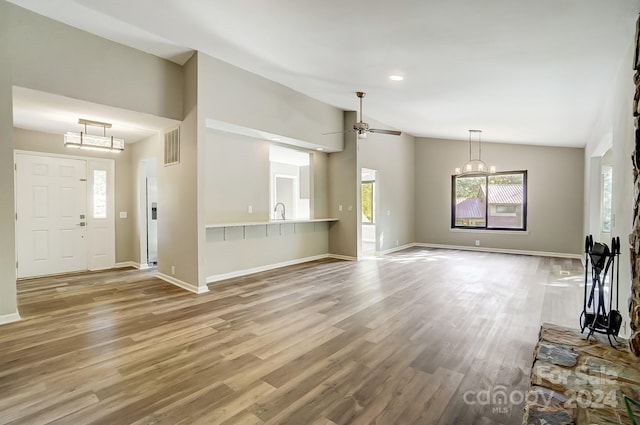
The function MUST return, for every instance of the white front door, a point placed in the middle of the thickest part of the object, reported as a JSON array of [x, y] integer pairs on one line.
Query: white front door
[[51, 208], [65, 219]]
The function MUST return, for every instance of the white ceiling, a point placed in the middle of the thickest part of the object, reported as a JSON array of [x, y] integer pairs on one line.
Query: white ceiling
[[532, 72]]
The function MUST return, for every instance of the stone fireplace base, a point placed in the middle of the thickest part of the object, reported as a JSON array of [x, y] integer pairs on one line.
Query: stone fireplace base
[[575, 381]]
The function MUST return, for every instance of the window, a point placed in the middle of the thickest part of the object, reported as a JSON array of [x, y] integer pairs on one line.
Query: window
[[607, 176], [367, 190], [290, 183], [496, 201], [99, 194]]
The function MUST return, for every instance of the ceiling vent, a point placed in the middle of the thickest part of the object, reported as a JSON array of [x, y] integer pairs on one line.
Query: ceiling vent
[[172, 147]]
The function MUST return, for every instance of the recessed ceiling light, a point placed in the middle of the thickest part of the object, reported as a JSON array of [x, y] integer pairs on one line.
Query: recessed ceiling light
[[396, 77], [275, 139], [319, 149]]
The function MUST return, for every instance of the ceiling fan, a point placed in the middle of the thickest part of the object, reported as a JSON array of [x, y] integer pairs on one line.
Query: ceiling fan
[[362, 128]]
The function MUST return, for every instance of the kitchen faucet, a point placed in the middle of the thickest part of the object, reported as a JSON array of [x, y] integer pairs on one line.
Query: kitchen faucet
[[275, 209]]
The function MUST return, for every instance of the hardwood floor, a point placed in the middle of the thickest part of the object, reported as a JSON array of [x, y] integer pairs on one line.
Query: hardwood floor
[[422, 336]]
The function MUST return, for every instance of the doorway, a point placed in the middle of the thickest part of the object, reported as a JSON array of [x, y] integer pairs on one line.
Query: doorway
[[148, 212], [64, 214], [368, 200]]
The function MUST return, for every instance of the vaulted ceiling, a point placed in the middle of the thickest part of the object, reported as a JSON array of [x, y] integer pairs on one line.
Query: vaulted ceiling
[[524, 72]]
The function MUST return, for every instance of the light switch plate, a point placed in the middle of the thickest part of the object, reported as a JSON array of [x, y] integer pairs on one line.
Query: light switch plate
[[123, 214]]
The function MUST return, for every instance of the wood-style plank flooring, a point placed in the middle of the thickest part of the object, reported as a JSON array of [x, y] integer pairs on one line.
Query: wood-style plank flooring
[[422, 336]]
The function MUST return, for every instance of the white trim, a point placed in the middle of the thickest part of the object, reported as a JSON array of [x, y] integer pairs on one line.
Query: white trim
[[238, 273], [184, 285], [10, 318], [132, 264], [61, 155], [398, 248], [514, 232], [342, 257], [502, 251]]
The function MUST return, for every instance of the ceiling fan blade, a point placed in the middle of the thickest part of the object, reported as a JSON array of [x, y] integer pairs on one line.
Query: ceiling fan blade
[[338, 132], [380, 131]]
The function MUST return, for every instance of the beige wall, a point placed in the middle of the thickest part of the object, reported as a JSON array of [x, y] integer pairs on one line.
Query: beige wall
[[108, 73], [178, 221], [8, 301], [237, 174], [555, 195], [245, 249], [234, 170], [319, 185], [178, 228], [52, 57], [614, 129], [52, 143], [344, 190], [393, 157], [230, 94]]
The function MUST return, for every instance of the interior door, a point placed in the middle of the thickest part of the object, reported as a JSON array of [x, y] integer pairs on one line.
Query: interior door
[[51, 215]]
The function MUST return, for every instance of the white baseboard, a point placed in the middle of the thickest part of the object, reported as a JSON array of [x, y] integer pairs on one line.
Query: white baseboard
[[9, 318], [184, 285], [501, 250], [398, 248], [342, 257], [132, 264], [126, 264], [245, 272]]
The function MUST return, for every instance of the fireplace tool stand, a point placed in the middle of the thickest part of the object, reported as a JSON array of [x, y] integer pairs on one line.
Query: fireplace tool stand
[[602, 264]]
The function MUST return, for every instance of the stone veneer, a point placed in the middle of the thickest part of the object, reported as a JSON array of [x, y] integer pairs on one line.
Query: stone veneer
[[578, 381], [634, 238]]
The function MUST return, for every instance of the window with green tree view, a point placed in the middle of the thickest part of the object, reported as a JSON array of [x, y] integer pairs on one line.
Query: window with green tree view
[[367, 190], [495, 201]]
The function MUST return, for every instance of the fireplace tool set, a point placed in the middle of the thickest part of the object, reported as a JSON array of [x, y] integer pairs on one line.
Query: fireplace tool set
[[600, 262]]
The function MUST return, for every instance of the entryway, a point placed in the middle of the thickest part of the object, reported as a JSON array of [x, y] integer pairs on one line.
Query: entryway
[[64, 214], [148, 211], [368, 200]]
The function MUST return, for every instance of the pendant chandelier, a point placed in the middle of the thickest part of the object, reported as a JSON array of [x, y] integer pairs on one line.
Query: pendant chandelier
[[102, 142], [475, 166]]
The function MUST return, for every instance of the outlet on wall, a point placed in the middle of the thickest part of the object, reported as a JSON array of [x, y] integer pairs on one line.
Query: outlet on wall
[[477, 242], [250, 209], [173, 270]]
